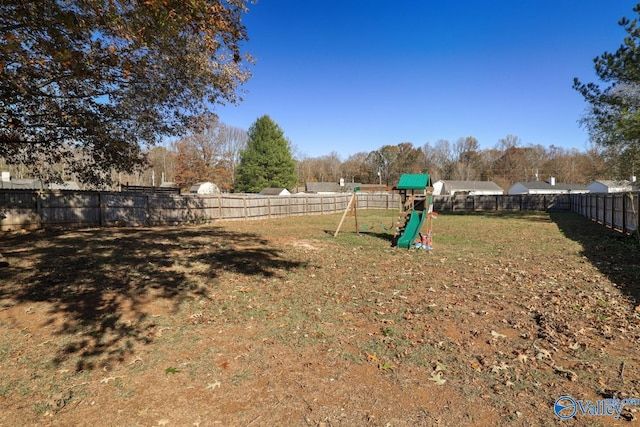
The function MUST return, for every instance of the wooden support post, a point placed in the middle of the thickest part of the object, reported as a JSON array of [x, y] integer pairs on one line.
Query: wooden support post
[[355, 210], [353, 196]]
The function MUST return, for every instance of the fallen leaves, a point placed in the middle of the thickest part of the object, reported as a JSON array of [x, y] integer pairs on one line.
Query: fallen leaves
[[496, 369], [542, 354], [497, 335], [436, 377], [518, 325], [438, 371], [107, 379], [571, 375], [213, 385], [386, 366]]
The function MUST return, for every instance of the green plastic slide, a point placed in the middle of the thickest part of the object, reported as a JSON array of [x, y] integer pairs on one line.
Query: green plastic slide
[[412, 229]]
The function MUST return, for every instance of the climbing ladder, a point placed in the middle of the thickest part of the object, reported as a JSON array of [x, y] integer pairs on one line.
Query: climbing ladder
[[406, 206]]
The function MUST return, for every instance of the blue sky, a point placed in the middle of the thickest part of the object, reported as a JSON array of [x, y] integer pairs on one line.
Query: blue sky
[[349, 76]]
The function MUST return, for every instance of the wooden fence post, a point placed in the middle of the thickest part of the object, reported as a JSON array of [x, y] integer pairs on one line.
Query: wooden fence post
[[635, 209], [624, 213], [570, 202], [147, 212], [39, 208], [246, 210], [100, 210]]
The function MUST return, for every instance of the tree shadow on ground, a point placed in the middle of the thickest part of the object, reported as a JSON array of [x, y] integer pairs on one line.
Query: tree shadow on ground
[[382, 235], [99, 282], [616, 255]]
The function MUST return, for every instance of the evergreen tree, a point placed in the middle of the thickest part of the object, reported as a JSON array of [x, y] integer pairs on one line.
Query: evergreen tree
[[267, 160], [613, 118]]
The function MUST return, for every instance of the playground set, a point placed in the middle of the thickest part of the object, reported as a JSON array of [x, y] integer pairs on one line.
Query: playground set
[[416, 212]]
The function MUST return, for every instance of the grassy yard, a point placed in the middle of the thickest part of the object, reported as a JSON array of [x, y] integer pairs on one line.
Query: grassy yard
[[277, 322]]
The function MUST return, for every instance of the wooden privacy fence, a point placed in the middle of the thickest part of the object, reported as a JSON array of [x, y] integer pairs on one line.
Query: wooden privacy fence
[[504, 202], [616, 210], [47, 209], [24, 209]]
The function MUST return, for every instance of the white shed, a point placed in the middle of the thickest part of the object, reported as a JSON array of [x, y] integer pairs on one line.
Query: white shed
[[204, 188], [610, 186], [275, 192]]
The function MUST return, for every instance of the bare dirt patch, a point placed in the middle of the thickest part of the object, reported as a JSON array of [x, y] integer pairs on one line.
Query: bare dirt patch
[[310, 245], [279, 323]]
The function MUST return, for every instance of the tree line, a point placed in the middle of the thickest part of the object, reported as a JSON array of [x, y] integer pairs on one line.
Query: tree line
[[216, 155], [237, 160]]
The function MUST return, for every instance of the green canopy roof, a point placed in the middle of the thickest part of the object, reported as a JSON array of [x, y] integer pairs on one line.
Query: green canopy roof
[[414, 181]]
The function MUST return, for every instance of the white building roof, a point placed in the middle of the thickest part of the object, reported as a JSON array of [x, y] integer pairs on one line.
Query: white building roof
[[542, 187], [610, 186], [474, 188]]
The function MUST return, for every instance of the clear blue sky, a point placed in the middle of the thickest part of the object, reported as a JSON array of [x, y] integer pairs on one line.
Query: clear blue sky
[[353, 75]]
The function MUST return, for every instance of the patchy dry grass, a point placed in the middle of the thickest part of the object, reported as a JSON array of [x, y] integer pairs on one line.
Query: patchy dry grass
[[279, 323]]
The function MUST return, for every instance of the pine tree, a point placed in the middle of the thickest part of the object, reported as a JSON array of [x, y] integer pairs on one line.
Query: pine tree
[[613, 118], [267, 160]]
